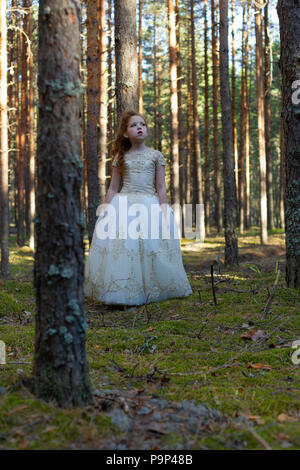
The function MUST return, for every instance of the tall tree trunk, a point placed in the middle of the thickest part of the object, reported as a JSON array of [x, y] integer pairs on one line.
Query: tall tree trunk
[[159, 91], [233, 88], [140, 57], [31, 185], [267, 54], [154, 65], [11, 38], [103, 104], [60, 363], [206, 125], [289, 14], [230, 206], [188, 129], [175, 198], [215, 68], [282, 175], [126, 56], [93, 106], [17, 113], [110, 97], [240, 180], [198, 197], [23, 125], [247, 127], [261, 126], [84, 189], [4, 144], [179, 90]]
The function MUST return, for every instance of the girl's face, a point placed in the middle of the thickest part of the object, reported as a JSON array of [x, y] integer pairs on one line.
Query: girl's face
[[136, 129]]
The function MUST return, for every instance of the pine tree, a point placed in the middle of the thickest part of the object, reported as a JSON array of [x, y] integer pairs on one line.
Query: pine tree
[[60, 365]]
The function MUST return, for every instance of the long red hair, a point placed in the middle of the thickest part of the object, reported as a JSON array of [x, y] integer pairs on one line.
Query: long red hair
[[121, 144]]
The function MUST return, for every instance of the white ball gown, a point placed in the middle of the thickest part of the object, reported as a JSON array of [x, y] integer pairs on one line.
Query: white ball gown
[[132, 260]]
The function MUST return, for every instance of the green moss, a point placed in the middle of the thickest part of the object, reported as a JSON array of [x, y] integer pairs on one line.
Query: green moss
[[199, 355]]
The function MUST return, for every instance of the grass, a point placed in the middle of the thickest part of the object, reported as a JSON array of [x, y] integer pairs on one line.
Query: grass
[[198, 355]]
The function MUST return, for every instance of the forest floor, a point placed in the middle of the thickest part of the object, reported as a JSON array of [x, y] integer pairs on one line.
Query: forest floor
[[179, 374]]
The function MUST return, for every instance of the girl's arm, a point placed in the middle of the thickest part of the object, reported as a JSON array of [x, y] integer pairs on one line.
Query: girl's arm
[[161, 187], [114, 185]]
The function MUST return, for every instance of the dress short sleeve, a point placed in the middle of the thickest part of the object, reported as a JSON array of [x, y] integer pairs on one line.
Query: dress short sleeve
[[160, 159], [115, 161]]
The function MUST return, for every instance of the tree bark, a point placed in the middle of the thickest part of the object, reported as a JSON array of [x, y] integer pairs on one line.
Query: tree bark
[[110, 97], [159, 89], [103, 103], [140, 57], [60, 363], [198, 197], [247, 127], [4, 144], [175, 197], [126, 56], [179, 90], [31, 75], [189, 129], [230, 206], [233, 88], [289, 14], [240, 180], [261, 127], [215, 67], [23, 125], [282, 175], [269, 181], [206, 125], [93, 106]]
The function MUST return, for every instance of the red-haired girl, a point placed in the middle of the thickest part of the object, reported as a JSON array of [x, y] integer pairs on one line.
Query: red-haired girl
[[126, 266]]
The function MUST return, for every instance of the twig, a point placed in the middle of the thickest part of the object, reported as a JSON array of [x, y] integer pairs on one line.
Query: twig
[[259, 438], [17, 363], [212, 282], [116, 366], [271, 296]]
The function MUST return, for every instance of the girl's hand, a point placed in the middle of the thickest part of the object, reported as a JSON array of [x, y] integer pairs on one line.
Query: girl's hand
[[165, 221]]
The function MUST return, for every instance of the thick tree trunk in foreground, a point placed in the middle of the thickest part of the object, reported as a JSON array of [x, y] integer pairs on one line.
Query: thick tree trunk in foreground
[[60, 363], [230, 205], [4, 230], [289, 14], [127, 90]]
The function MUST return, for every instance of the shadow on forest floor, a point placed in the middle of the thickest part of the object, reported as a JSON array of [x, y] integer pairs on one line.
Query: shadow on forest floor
[[180, 374]]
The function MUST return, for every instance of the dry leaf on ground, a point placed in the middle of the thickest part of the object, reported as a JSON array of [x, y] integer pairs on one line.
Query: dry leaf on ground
[[258, 366]]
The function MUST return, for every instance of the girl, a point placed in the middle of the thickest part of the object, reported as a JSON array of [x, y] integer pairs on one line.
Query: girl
[[126, 266]]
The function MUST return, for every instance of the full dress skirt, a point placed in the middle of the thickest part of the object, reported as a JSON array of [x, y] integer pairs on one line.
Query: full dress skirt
[[135, 256]]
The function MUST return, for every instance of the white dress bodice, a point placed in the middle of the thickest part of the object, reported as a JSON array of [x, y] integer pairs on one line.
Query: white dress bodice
[[140, 167]]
